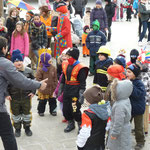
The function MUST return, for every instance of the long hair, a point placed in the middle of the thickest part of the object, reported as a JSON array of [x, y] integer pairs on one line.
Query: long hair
[[15, 33], [11, 10]]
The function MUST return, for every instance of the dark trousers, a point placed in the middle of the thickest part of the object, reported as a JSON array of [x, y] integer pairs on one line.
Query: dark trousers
[[6, 132], [79, 12], [42, 105], [146, 25], [139, 129], [92, 63], [71, 109]]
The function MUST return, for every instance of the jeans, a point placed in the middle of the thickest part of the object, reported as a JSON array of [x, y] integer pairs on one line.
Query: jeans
[[146, 25], [6, 132]]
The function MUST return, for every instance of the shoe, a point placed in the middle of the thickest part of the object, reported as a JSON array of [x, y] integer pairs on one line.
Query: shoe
[[139, 146], [64, 121], [91, 74], [54, 113], [148, 43], [41, 114], [17, 133], [70, 126], [140, 43], [84, 55], [28, 131]]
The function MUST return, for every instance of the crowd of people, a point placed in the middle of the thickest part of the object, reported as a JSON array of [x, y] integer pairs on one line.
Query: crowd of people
[[120, 91]]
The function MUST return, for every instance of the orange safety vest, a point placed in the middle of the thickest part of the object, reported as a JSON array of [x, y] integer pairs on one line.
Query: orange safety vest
[[47, 22], [74, 73]]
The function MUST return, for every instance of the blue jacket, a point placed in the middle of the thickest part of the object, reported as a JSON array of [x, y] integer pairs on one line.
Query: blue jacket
[[137, 97], [94, 41]]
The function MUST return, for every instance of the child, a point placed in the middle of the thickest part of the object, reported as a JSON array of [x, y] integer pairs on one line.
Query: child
[[120, 61], [21, 99], [47, 70], [85, 51], [102, 65], [20, 35], [94, 120], [93, 45], [86, 17], [3, 29], [137, 99], [120, 129]]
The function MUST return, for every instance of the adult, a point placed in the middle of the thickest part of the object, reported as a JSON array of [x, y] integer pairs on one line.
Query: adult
[[46, 18], [144, 15], [110, 11], [78, 6], [11, 21], [98, 13], [8, 73]]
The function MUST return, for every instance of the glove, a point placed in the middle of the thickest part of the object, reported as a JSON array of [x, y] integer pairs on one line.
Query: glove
[[81, 97], [60, 90]]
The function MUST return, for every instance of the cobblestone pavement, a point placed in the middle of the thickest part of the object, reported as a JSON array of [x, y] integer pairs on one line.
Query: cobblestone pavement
[[48, 130]]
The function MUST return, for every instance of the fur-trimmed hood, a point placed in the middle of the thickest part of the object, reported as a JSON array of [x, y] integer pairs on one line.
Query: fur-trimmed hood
[[121, 90]]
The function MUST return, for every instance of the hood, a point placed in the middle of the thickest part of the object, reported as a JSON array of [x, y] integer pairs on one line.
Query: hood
[[121, 90], [107, 61], [102, 111], [96, 22]]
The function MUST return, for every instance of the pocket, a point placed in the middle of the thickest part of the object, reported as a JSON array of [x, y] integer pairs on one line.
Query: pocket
[[63, 43]]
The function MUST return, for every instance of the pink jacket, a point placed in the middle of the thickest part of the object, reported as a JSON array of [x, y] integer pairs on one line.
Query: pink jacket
[[21, 43]]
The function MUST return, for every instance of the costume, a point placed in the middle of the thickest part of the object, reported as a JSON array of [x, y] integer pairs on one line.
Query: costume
[[47, 70], [73, 84]]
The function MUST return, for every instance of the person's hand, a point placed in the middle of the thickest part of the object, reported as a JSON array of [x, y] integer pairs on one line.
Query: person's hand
[[113, 138], [54, 95], [43, 84], [31, 95], [8, 98]]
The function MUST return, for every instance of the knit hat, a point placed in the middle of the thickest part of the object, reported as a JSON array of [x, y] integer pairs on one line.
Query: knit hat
[[88, 9], [44, 8], [108, 1], [98, 2], [16, 56], [122, 53], [116, 71], [93, 95], [121, 61], [73, 52], [135, 69], [62, 7], [86, 27], [134, 53], [30, 13], [45, 58]]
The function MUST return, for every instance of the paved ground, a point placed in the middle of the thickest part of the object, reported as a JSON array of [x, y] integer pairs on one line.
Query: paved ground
[[48, 130]]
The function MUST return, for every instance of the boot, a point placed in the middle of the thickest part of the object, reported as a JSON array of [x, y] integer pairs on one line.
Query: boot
[[109, 37], [70, 126], [28, 131], [17, 132]]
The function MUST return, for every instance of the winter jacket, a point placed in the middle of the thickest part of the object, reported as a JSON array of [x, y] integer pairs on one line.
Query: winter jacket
[[51, 74], [101, 16], [94, 41], [92, 133], [9, 73], [120, 116], [20, 94], [3, 32], [100, 77], [38, 36], [137, 97], [143, 12], [86, 19], [22, 45], [135, 4], [78, 5]]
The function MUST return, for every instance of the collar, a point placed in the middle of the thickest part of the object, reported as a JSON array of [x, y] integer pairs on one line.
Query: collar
[[76, 63]]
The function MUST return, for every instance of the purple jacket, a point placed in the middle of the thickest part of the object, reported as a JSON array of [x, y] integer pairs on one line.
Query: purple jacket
[[60, 98], [101, 16]]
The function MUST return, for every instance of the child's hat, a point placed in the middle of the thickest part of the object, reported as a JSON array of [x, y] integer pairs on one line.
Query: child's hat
[[62, 7], [30, 13], [93, 95], [88, 9], [122, 53], [104, 50], [85, 28], [134, 53], [116, 71], [135, 69], [16, 56], [73, 52], [121, 61], [99, 2]]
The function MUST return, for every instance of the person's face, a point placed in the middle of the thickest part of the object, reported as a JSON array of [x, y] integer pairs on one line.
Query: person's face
[[106, 3], [87, 30], [36, 19], [130, 75], [109, 77], [28, 17], [98, 6], [101, 57], [4, 50], [64, 57], [14, 13], [19, 28], [18, 64]]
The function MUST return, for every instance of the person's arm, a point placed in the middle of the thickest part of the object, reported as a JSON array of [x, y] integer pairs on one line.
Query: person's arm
[[142, 11], [91, 18], [85, 131], [88, 41], [105, 19], [26, 42], [39, 75], [104, 40], [12, 44], [45, 38]]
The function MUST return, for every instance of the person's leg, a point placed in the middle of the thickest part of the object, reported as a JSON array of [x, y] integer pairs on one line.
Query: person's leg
[[6, 132], [139, 131], [37, 56], [148, 26], [52, 106], [146, 119], [144, 23], [140, 26], [41, 107], [91, 64]]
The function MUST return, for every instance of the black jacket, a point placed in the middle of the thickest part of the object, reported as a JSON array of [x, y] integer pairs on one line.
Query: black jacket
[[19, 94]]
